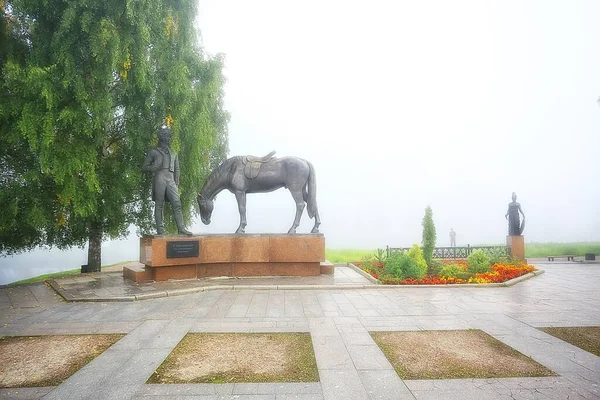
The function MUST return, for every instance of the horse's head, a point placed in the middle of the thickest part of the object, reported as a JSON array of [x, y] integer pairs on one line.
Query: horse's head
[[206, 208]]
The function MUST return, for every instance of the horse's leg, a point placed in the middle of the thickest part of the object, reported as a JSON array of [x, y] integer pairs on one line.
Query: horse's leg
[[315, 228], [299, 199], [240, 196]]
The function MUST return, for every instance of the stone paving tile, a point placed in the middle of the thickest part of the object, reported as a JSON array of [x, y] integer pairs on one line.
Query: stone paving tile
[[501, 388], [342, 384], [331, 353], [384, 385], [141, 336], [25, 393], [368, 357], [22, 297], [299, 396]]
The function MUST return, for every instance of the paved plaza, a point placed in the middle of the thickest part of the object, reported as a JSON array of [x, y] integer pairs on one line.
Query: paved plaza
[[339, 312]]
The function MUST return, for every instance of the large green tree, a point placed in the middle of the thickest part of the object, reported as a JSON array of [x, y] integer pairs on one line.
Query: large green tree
[[84, 86]]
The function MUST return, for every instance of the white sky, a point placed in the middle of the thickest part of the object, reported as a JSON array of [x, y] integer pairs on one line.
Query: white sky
[[401, 104]]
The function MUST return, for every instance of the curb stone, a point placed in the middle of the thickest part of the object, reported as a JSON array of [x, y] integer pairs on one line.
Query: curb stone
[[68, 297]]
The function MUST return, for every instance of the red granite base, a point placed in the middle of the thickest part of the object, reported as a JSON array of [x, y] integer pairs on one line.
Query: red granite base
[[231, 255]]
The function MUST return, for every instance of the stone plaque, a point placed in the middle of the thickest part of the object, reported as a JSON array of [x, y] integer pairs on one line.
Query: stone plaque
[[183, 249]]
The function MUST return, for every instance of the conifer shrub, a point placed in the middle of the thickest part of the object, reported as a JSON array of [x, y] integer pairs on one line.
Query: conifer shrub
[[429, 235]]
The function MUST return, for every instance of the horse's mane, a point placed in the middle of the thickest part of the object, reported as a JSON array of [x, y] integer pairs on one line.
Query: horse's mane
[[224, 168]]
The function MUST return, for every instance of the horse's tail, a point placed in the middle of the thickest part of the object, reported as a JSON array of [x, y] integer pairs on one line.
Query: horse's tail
[[311, 200]]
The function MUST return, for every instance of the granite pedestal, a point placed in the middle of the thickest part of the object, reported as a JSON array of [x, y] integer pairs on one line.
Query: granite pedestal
[[190, 257], [516, 247]]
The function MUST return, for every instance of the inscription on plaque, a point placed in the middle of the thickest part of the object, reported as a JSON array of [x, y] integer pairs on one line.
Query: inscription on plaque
[[183, 249]]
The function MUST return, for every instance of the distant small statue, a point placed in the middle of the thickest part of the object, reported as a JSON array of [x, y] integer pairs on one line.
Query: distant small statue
[[515, 228], [251, 174], [452, 238], [164, 165]]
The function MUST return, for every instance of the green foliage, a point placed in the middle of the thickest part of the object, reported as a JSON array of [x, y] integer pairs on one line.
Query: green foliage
[[464, 275], [409, 265], [367, 263], [429, 235], [435, 267], [380, 256], [497, 256], [416, 254], [478, 262], [450, 271], [84, 85], [395, 265]]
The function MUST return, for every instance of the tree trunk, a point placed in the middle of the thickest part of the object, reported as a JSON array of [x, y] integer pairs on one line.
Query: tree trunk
[[95, 248]]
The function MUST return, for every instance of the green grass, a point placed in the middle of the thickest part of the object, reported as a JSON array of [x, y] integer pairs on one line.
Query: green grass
[[57, 275], [561, 249], [347, 255]]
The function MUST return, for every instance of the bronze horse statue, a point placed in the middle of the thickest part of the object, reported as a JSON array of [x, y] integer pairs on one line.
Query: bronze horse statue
[[250, 174]]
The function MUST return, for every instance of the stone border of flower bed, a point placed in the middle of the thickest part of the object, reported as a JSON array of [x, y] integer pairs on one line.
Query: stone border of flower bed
[[508, 283]]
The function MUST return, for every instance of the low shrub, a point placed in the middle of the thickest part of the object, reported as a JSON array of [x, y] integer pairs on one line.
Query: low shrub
[[498, 257], [416, 254], [403, 266], [394, 265], [435, 267], [465, 276], [451, 271], [478, 262]]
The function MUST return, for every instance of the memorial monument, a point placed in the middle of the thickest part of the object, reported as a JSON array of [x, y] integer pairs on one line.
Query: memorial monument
[[515, 240], [239, 254]]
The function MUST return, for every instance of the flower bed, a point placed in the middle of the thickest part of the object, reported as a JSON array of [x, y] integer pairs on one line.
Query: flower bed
[[500, 272]]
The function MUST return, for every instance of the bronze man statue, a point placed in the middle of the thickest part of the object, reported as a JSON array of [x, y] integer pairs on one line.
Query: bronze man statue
[[512, 214], [164, 165]]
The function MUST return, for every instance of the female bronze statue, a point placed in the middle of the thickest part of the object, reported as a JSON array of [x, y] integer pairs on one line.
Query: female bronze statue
[[515, 228]]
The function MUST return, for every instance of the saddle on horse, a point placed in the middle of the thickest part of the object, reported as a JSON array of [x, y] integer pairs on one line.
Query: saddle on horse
[[252, 164]]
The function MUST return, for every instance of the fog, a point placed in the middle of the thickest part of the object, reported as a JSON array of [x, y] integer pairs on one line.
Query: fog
[[400, 105]]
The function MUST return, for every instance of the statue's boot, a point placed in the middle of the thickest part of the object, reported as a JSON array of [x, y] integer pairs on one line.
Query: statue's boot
[[158, 217], [179, 218]]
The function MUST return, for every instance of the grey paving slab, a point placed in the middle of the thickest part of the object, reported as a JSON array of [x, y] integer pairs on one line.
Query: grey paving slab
[[299, 396], [22, 297], [384, 385], [331, 353], [342, 384], [368, 357], [313, 388], [25, 393], [164, 390], [501, 388], [142, 336]]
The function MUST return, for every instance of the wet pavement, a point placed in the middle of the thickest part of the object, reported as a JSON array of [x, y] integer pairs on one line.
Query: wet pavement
[[338, 311], [113, 287]]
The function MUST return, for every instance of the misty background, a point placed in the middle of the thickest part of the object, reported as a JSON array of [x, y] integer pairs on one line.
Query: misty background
[[400, 105]]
